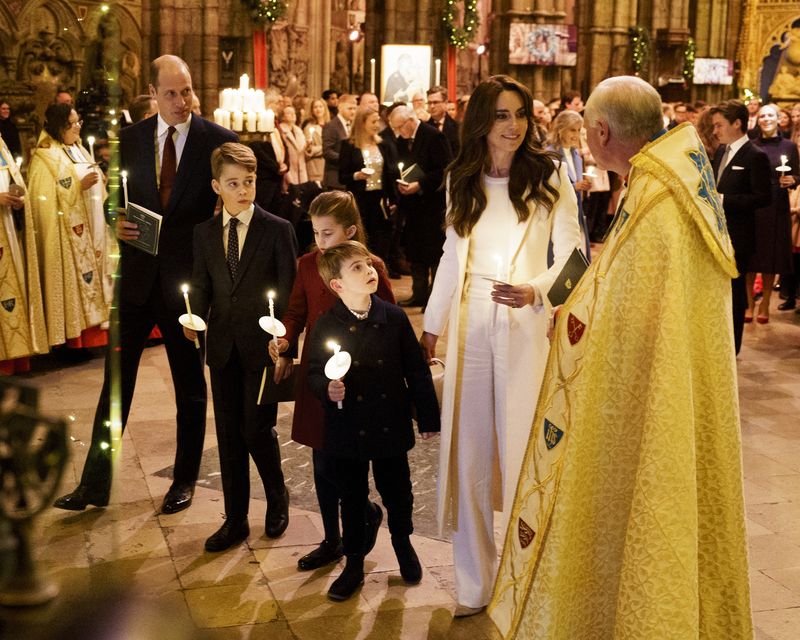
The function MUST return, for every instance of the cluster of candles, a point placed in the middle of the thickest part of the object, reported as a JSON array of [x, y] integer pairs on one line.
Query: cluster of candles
[[244, 109]]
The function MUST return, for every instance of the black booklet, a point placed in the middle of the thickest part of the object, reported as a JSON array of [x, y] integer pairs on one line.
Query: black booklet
[[149, 227], [270, 392], [414, 173], [568, 278]]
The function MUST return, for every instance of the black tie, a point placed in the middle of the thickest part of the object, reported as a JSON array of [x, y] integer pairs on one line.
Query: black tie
[[233, 247], [410, 143]]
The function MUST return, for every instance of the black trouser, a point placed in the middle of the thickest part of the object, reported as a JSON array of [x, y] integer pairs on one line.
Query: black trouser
[[422, 277], [789, 280], [327, 493], [186, 367], [739, 299], [376, 223], [244, 429], [392, 480]]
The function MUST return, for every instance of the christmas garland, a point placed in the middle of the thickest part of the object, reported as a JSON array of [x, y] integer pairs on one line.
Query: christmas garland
[[266, 12], [688, 61], [640, 50], [461, 36]]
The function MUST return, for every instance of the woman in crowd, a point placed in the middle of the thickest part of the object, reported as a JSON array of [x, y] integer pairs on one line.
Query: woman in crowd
[[8, 130], [368, 168], [794, 114], [507, 201], [705, 129], [785, 123], [335, 219], [564, 138], [773, 250], [295, 143], [312, 128], [75, 245]]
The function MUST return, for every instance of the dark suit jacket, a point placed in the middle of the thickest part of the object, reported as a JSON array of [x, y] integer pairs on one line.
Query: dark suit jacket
[[232, 308], [192, 201], [351, 160], [450, 129], [424, 210], [388, 374], [745, 185], [268, 175], [332, 135]]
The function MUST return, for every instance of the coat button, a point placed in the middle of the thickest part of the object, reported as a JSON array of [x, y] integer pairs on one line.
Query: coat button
[[386, 429], [362, 433], [355, 363], [353, 329], [375, 326], [235, 299], [383, 396], [380, 363], [359, 398]]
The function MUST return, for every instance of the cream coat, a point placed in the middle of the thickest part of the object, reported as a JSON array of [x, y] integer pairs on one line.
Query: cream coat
[[527, 339]]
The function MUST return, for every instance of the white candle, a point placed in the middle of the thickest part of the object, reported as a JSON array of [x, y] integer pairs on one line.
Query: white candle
[[237, 119], [185, 289], [124, 175], [498, 270], [90, 141], [244, 82], [400, 166], [333, 346], [270, 120], [271, 297], [784, 167], [252, 118], [438, 74], [19, 161], [226, 119], [261, 124], [372, 75], [260, 103]]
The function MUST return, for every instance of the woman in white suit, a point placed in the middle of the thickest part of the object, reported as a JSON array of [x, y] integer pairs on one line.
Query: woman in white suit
[[506, 201]]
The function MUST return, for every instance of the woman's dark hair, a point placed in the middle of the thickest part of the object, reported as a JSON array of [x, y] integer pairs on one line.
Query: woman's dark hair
[[530, 169], [56, 120]]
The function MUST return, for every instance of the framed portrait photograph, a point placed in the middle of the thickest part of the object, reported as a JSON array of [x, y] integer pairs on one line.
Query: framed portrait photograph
[[405, 70]]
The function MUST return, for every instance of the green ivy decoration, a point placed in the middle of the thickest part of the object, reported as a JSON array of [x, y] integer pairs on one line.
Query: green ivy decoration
[[460, 36], [688, 60], [266, 12], [640, 49]]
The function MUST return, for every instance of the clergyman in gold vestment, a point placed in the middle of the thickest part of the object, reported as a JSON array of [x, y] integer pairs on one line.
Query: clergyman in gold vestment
[[628, 520]]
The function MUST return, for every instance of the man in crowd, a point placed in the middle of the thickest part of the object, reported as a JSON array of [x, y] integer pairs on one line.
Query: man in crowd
[[572, 101], [167, 158], [333, 133], [437, 107], [742, 171], [331, 98], [540, 131], [629, 517]]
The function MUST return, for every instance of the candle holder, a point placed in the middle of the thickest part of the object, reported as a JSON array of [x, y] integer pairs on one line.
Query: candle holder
[[337, 365]]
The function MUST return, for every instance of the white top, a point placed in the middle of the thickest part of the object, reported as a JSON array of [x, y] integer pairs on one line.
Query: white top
[[489, 239], [244, 219], [179, 138]]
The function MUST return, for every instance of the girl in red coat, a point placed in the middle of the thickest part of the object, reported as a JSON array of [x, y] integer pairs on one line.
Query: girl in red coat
[[335, 219]]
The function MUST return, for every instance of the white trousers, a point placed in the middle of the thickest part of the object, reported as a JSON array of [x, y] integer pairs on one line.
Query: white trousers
[[480, 437]]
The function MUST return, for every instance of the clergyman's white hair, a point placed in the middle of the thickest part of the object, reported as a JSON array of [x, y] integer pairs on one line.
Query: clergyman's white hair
[[630, 106]]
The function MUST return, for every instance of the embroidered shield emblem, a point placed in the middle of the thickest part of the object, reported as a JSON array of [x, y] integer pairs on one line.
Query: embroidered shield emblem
[[568, 284], [575, 329], [9, 304], [552, 434], [88, 276], [65, 182], [78, 229], [525, 532]]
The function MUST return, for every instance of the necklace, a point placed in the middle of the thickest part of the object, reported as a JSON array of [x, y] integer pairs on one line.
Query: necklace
[[361, 315]]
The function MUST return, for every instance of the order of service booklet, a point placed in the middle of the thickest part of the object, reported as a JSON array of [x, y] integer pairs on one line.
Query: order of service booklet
[[570, 275], [149, 223]]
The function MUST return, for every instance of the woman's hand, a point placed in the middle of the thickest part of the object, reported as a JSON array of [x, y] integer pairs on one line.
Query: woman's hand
[[283, 369], [275, 352], [428, 344], [787, 182], [89, 180], [514, 296], [359, 175], [583, 185], [189, 334]]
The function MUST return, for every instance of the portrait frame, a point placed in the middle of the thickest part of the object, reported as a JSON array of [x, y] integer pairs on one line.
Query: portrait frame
[[399, 61]]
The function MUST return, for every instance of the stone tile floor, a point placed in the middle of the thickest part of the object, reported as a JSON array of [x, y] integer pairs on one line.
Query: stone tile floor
[[140, 572]]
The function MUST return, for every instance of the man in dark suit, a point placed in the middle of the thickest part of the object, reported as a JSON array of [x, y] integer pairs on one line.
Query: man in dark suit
[[167, 160], [437, 107], [743, 172], [333, 133], [238, 256], [422, 198]]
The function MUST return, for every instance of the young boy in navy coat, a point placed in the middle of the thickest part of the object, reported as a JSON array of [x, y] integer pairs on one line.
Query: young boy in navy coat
[[387, 376], [239, 255]]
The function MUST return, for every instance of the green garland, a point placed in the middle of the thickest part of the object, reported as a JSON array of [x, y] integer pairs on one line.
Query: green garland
[[460, 36], [640, 50], [688, 61], [266, 12]]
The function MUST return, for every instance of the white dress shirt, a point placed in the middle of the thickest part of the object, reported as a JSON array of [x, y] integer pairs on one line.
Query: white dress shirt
[[244, 219]]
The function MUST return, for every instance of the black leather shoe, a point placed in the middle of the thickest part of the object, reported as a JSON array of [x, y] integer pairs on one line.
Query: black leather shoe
[[325, 553], [351, 579], [374, 519], [410, 302], [787, 306], [178, 498], [81, 498], [277, 516], [410, 568], [229, 535]]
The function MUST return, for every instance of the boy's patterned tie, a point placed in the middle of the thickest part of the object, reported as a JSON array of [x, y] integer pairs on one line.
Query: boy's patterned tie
[[233, 247]]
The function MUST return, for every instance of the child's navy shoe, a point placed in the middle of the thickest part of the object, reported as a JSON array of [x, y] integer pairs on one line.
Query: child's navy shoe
[[410, 568], [351, 579]]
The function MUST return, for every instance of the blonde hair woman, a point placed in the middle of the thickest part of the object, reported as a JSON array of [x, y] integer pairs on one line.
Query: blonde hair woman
[[318, 117]]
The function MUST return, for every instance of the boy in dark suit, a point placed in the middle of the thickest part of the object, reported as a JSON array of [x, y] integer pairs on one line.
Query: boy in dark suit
[[387, 376], [238, 256]]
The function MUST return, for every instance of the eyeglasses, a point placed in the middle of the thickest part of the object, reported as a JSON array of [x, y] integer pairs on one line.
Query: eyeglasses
[[435, 102], [77, 124]]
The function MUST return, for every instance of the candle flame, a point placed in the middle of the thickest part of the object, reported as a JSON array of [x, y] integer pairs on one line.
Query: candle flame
[[185, 288], [19, 161], [124, 174], [270, 294], [90, 140], [333, 345]]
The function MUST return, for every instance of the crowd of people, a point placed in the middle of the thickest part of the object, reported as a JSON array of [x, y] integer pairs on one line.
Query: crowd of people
[[482, 202]]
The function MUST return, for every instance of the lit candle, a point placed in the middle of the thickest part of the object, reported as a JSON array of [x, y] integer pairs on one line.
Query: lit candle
[[438, 73], [400, 166], [237, 120], [185, 289], [90, 140], [784, 167], [338, 364], [244, 82], [271, 298], [19, 161], [124, 175], [252, 118], [372, 75], [270, 120]]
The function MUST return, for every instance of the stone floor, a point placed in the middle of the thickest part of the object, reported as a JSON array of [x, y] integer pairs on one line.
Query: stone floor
[[135, 570]]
